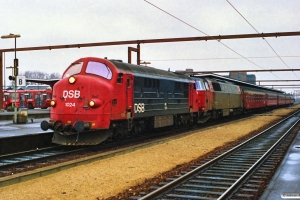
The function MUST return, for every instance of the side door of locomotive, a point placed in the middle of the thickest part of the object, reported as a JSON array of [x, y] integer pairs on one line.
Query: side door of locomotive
[[209, 95], [129, 95], [122, 106]]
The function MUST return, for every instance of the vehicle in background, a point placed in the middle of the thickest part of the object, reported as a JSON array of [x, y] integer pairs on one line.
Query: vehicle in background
[[30, 99]]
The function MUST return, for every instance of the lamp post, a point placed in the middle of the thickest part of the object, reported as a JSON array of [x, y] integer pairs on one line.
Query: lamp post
[[15, 71]]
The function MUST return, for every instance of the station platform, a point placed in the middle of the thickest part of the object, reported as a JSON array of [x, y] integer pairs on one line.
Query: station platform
[[9, 129], [32, 113], [285, 183], [35, 117]]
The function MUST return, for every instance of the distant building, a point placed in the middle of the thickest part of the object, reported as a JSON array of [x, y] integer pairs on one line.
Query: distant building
[[251, 78], [241, 76]]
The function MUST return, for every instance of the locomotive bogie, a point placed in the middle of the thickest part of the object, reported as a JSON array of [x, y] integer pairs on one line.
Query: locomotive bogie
[[163, 121]]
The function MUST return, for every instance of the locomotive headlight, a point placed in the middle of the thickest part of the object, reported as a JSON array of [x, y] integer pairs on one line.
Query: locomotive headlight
[[52, 103], [91, 103], [72, 79], [95, 103]]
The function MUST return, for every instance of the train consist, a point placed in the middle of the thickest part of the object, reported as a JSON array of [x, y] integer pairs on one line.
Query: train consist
[[98, 99], [33, 96]]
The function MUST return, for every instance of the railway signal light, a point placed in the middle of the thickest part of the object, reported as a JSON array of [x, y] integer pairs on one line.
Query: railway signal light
[[12, 78]]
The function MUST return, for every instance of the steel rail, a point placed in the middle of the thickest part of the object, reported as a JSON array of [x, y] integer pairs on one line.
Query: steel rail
[[195, 171], [22, 158], [234, 186]]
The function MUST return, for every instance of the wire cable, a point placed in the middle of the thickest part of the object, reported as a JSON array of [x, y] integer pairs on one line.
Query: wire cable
[[204, 34], [232, 58], [263, 38]]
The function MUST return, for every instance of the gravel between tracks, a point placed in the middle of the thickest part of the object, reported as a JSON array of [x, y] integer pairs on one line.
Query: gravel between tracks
[[109, 177]]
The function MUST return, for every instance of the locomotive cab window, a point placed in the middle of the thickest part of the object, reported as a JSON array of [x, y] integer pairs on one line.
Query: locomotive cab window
[[199, 85], [75, 68], [99, 69]]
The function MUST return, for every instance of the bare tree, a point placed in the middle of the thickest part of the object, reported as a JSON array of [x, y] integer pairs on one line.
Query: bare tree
[[39, 75], [55, 75]]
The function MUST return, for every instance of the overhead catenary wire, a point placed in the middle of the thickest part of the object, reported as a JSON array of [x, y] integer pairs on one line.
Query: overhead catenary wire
[[229, 58], [263, 38], [219, 40], [204, 34]]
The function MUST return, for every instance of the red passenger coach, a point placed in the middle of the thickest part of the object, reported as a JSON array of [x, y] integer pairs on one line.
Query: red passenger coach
[[271, 99], [27, 98], [281, 99], [36, 98], [254, 99], [289, 99], [11, 98]]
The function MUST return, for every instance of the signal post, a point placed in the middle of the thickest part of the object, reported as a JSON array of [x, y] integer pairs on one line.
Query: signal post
[[15, 71]]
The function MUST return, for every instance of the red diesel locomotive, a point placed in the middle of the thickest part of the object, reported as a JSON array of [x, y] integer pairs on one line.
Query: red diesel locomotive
[[97, 99]]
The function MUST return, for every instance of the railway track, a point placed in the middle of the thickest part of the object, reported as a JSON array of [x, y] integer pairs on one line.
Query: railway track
[[12, 163], [51, 157], [238, 173]]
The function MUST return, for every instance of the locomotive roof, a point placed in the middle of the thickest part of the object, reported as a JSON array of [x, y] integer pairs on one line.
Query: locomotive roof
[[144, 71], [237, 82]]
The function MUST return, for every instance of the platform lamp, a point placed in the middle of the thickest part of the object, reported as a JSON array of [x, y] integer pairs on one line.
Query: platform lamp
[[15, 70]]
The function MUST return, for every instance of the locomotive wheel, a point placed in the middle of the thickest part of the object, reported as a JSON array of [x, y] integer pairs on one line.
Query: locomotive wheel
[[118, 135], [136, 130]]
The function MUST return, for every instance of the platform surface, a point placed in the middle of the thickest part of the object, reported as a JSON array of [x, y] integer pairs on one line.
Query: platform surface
[[285, 183], [9, 129], [34, 113]]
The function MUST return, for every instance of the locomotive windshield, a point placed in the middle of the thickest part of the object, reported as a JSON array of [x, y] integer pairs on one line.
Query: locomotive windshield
[[74, 69], [99, 69], [199, 85]]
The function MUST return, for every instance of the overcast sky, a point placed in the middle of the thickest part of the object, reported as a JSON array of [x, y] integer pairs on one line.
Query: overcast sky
[[58, 22]]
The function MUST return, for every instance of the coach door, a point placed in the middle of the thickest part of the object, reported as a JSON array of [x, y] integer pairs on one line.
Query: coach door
[[22, 100], [38, 99]]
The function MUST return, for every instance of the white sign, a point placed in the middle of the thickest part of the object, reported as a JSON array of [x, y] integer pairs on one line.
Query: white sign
[[21, 81]]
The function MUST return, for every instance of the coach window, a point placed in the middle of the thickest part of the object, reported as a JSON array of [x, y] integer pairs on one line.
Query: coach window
[[30, 96], [75, 68], [99, 69], [5, 96]]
